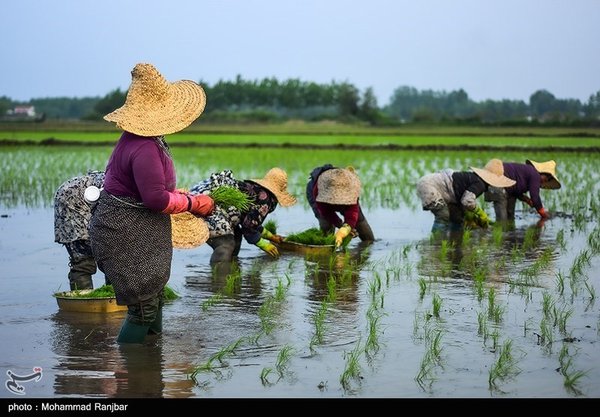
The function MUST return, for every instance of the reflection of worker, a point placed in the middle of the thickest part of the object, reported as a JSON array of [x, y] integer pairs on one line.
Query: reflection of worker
[[331, 191], [449, 194], [72, 213], [227, 226], [529, 177], [130, 229]]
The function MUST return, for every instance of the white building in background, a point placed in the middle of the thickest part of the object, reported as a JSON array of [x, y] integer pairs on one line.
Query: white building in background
[[28, 111]]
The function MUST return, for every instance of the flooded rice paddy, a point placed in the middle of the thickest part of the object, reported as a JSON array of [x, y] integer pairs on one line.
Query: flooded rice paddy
[[504, 312]]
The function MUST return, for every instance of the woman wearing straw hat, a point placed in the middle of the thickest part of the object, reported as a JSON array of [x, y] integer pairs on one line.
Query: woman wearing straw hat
[[130, 229], [228, 226], [529, 177], [450, 194], [331, 191], [72, 214]]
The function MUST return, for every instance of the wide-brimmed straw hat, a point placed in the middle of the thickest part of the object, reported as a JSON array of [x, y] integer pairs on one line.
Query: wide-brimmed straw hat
[[156, 107], [188, 231], [493, 174], [276, 182], [548, 168], [338, 186]]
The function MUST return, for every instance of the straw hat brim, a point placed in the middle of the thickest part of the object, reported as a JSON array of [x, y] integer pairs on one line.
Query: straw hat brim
[[188, 231], [336, 197], [285, 199], [184, 104], [548, 169], [492, 179]]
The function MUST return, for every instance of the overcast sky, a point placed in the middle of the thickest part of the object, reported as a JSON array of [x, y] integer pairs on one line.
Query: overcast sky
[[505, 49]]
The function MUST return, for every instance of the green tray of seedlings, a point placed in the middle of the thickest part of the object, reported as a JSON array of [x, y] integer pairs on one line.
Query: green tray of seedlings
[[310, 242], [99, 300]]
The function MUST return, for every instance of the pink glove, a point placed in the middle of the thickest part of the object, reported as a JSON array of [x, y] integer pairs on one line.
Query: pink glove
[[178, 203], [528, 201], [543, 213], [202, 205]]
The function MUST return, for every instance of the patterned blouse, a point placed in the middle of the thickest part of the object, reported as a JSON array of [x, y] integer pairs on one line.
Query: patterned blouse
[[225, 220], [72, 213], [264, 203]]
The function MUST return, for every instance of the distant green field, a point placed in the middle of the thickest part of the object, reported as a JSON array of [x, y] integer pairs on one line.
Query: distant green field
[[304, 139], [316, 134]]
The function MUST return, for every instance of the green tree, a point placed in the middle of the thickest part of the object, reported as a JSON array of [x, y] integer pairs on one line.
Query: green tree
[[108, 103], [368, 107]]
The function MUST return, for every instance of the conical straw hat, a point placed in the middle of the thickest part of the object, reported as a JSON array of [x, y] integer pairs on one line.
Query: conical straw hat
[[338, 186], [493, 174], [549, 168], [188, 231], [156, 107], [276, 182]]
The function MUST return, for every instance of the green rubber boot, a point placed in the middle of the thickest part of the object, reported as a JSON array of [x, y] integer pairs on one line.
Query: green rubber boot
[[156, 326], [132, 333]]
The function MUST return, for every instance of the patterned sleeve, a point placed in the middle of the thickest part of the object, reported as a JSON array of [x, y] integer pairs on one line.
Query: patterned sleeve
[[252, 221]]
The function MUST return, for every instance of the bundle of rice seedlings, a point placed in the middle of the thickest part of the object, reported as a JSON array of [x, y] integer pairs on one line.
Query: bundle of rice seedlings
[[271, 226], [107, 291], [315, 236], [312, 236], [226, 197]]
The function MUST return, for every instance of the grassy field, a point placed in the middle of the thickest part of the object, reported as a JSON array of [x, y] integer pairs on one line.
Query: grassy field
[[316, 134], [300, 134]]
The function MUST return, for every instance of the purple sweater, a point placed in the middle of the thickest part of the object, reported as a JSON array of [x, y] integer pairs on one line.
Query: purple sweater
[[528, 180], [140, 168]]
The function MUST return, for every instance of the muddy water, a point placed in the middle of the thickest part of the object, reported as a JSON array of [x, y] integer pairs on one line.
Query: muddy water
[[381, 333]]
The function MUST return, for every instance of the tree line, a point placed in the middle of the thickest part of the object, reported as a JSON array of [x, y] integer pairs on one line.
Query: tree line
[[271, 100]]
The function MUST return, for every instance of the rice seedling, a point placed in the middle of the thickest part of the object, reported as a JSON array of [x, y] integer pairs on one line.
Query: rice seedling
[[497, 313], [497, 234], [271, 226], [373, 317], [283, 358], [226, 351], [504, 367], [571, 378], [495, 336], [491, 299], [545, 338], [264, 376], [226, 196], [466, 237], [481, 323], [560, 283], [352, 366], [437, 305], [233, 282], [444, 248], [561, 318], [547, 305], [266, 314], [431, 359], [560, 239], [319, 322], [479, 279], [530, 238], [422, 288], [107, 291], [331, 289], [211, 301], [280, 290]]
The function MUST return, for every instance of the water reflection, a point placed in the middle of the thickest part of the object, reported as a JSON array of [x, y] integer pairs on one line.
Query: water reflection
[[92, 364], [335, 277], [502, 253]]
